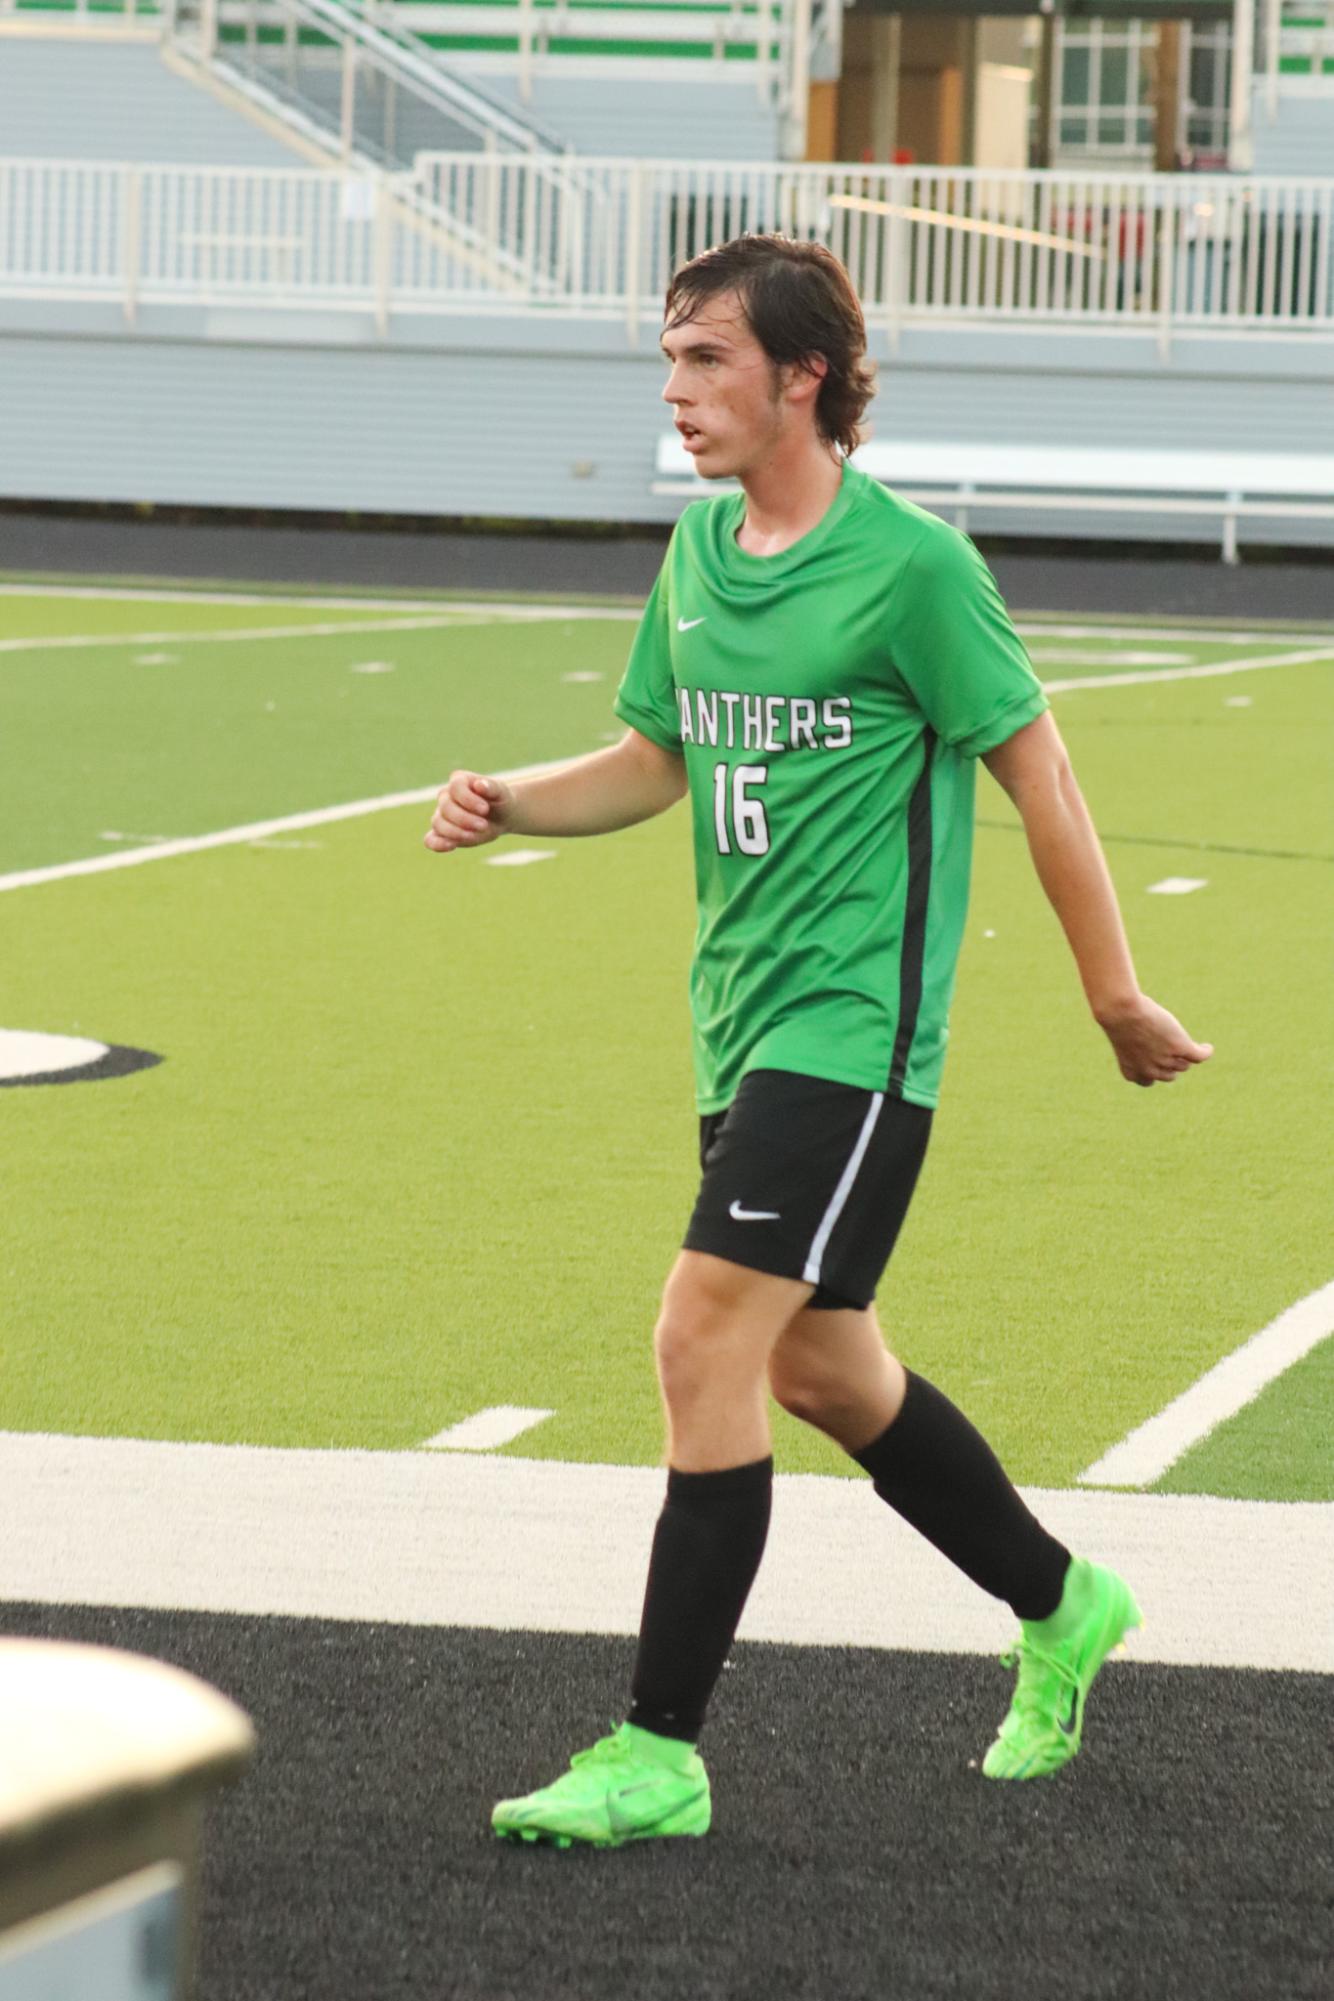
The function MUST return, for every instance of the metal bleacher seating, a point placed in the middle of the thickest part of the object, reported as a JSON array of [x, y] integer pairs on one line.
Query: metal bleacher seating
[[1227, 486]]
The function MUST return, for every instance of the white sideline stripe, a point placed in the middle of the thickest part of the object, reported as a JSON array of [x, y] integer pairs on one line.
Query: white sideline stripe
[[1178, 885], [1115, 633], [527, 608], [526, 1545], [329, 630], [1207, 673], [1112, 630], [485, 1430], [257, 830], [237, 836], [1145, 1454], [815, 1256]]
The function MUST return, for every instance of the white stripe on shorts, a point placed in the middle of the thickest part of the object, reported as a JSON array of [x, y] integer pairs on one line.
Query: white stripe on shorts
[[815, 1256]]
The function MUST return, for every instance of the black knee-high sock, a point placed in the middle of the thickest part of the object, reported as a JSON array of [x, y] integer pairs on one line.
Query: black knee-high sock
[[940, 1474], [706, 1550]]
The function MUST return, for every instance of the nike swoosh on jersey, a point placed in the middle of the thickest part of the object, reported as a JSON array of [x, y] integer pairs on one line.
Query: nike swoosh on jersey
[[740, 1215], [688, 624]]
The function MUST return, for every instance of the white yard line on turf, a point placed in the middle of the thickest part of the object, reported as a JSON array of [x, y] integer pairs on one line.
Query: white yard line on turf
[[1027, 623], [228, 837], [466, 1539], [1146, 1453], [357, 809], [475, 608], [1206, 673], [1186, 635], [487, 1430], [69, 642]]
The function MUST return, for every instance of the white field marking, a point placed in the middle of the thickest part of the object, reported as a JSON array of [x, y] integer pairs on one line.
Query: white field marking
[[583, 677], [1044, 656], [146, 839], [234, 836], [1238, 701], [232, 636], [286, 844], [464, 1539], [1118, 634], [1253, 666], [156, 659], [466, 608], [1145, 1454], [487, 1429], [373, 667], [229, 837], [28, 1053], [520, 857], [1178, 885], [1025, 623]]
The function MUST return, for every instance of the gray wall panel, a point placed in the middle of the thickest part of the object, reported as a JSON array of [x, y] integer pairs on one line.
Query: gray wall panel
[[476, 426], [110, 101], [648, 118], [1301, 138]]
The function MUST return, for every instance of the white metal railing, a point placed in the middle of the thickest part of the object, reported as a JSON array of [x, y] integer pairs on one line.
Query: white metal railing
[[601, 238]]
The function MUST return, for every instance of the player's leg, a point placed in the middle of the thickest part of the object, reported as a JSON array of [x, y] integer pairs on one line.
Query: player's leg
[[833, 1369], [931, 1465], [718, 1324]]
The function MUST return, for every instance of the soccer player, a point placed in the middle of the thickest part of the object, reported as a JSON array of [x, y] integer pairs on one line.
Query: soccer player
[[820, 665]]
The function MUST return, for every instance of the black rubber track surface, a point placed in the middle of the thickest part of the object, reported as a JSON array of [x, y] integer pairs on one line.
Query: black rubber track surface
[[1139, 584], [855, 1855]]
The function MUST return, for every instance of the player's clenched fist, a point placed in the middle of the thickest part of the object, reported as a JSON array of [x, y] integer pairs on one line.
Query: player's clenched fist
[[469, 811]]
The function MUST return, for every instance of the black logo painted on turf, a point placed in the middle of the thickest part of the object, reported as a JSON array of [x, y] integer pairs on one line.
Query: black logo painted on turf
[[118, 1061]]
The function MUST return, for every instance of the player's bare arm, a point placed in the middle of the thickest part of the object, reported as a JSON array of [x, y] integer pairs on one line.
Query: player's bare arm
[[618, 787], [1034, 768]]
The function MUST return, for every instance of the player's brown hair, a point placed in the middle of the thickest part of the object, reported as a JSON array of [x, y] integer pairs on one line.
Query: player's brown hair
[[798, 301]]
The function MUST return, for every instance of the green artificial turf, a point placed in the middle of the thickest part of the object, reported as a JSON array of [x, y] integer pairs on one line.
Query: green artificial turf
[[224, 735], [1278, 1445], [423, 1139]]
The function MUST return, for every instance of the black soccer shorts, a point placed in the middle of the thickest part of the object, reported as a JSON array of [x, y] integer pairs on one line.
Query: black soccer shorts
[[808, 1179]]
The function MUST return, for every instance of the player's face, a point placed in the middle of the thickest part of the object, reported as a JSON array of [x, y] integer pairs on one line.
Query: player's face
[[726, 395]]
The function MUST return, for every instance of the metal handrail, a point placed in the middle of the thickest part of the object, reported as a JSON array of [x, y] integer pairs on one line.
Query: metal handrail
[[195, 29]]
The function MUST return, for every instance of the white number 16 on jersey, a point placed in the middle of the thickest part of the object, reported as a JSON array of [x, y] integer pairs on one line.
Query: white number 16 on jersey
[[749, 825]]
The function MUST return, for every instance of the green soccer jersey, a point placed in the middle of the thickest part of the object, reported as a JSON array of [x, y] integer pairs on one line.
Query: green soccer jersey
[[830, 703]]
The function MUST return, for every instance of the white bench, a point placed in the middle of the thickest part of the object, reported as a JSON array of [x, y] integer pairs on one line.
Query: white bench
[[1097, 479]]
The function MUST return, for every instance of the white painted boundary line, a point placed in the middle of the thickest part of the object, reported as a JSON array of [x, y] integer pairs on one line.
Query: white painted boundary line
[[71, 642], [1112, 632], [530, 1545], [229, 837], [1206, 673], [441, 607], [487, 1430], [262, 829], [1146, 1453]]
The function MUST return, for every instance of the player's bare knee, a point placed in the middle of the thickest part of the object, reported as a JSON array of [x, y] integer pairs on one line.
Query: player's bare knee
[[680, 1348], [805, 1393]]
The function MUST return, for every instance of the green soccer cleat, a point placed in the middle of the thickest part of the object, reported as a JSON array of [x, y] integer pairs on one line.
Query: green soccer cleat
[[1057, 1660], [632, 1786]]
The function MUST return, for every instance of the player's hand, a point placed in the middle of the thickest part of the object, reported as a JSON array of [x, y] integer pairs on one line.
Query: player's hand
[[1151, 1045], [469, 811]]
